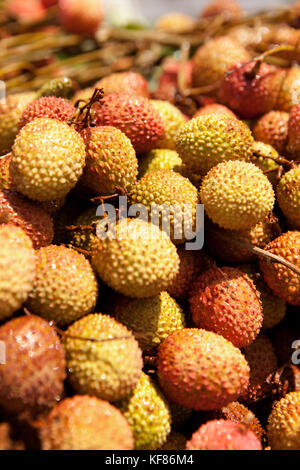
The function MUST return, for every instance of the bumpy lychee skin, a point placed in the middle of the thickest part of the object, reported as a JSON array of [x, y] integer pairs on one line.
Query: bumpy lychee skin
[[237, 195], [262, 361], [187, 271], [131, 83], [210, 62], [204, 142], [85, 423], [47, 159], [201, 370], [288, 195], [238, 413], [111, 163], [10, 114], [173, 120], [5, 177], [139, 260], [293, 132], [225, 301], [17, 269], [229, 9], [272, 129], [108, 367], [247, 91], [81, 18], [174, 196], [47, 107], [33, 219], [214, 108], [223, 435], [65, 287], [32, 378], [158, 159], [151, 320], [136, 117], [284, 423], [284, 282], [288, 95], [223, 245], [264, 156], [148, 413]]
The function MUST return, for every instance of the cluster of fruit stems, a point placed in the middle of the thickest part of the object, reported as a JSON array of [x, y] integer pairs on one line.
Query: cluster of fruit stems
[[114, 50]]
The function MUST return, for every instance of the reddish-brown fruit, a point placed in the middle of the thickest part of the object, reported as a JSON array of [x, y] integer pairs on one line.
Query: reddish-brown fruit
[[32, 379], [85, 423], [210, 62], [79, 17], [248, 91], [28, 215], [30, 11], [282, 280], [168, 83], [294, 132], [223, 435], [272, 129], [228, 9], [47, 107], [5, 178], [131, 83], [201, 370], [262, 361], [239, 413], [225, 301], [136, 117], [214, 108]]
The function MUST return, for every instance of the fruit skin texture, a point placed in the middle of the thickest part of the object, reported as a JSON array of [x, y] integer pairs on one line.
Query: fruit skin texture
[[109, 369], [85, 423], [284, 425], [272, 129], [204, 142], [261, 154], [293, 132], [281, 280], [210, 62], [222, 244], [173, 120], [223, 435], [86, 238], [148, 414], [288, 95], [262, 361], [32, 378], [214, 108], [274, 309], [130, 82], [250, 96], [47, 107], [47, 159], [80, 18], [174, 195], [201, 370], [238, 413], [151, 320], [5, 177], [181, 285], [136, 117], [21, 212], [237, 195], [160, 159], [140, 261], [225, 301], [17, 269], [10, 114], [288, 196], [111, 163], [65, 287]]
